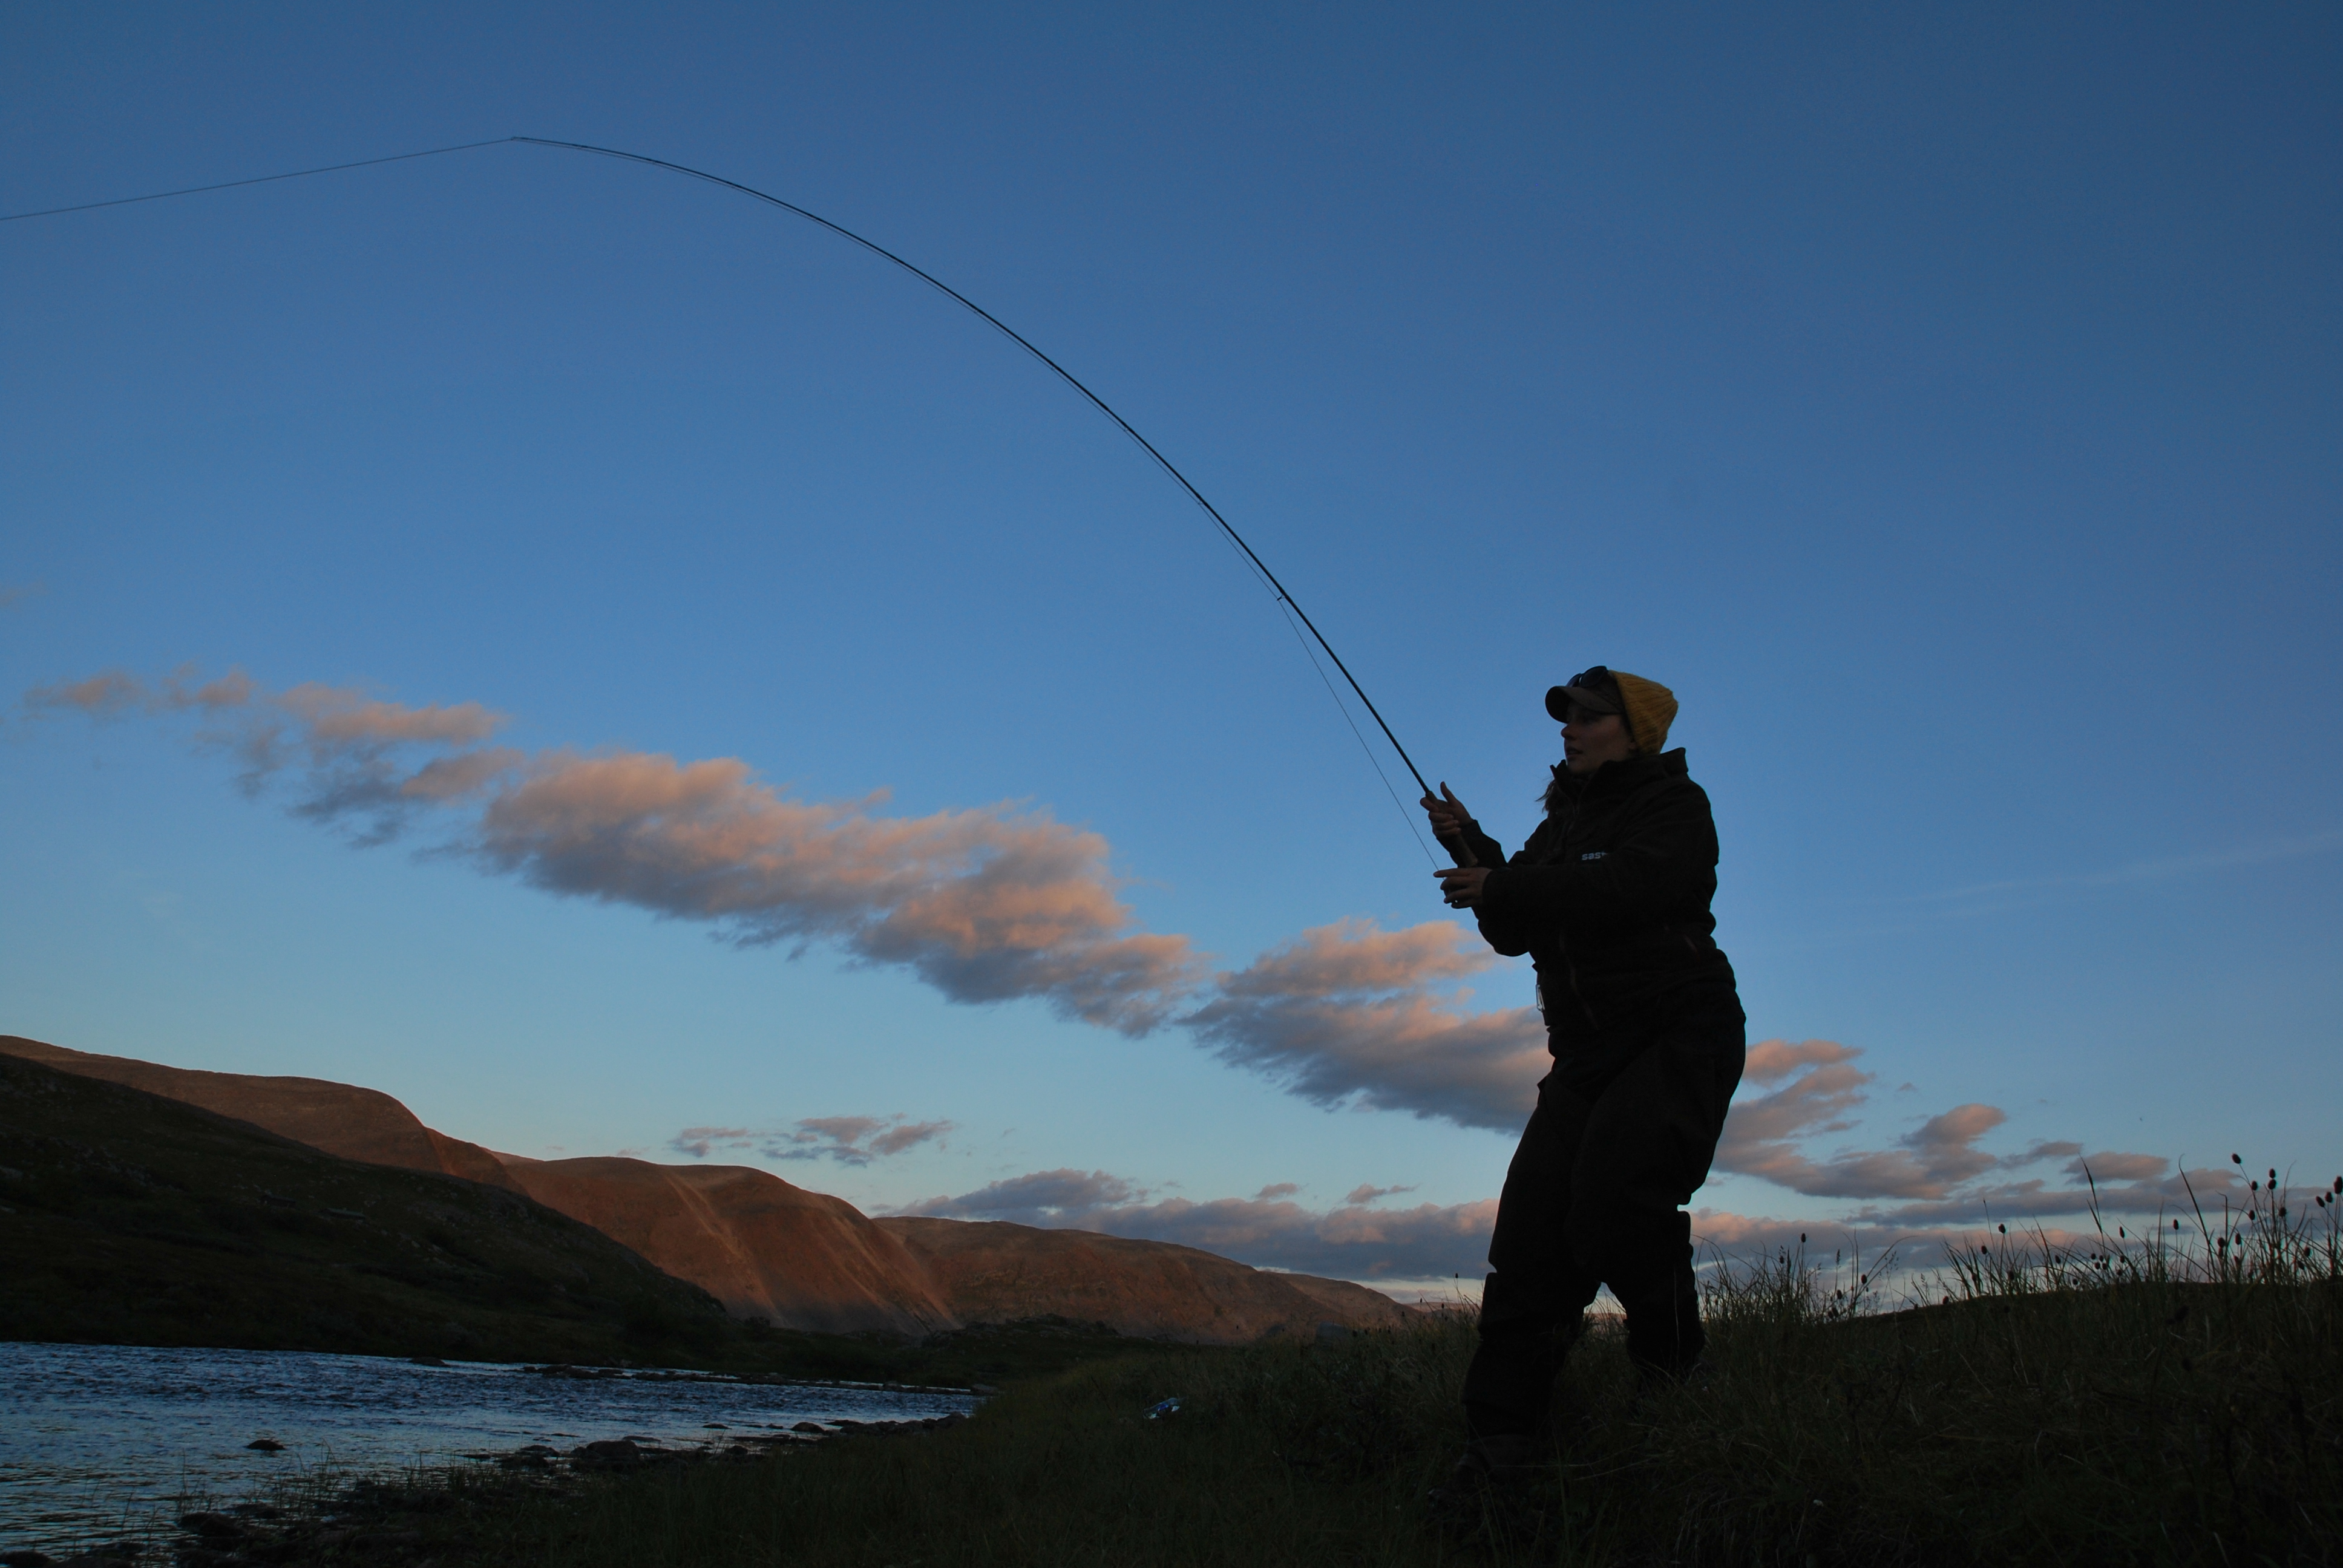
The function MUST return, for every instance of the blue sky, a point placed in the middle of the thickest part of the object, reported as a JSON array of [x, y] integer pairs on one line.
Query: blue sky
[[1941, 400]]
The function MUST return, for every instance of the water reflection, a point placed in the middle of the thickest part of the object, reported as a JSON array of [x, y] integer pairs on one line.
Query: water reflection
[[102, 1441]]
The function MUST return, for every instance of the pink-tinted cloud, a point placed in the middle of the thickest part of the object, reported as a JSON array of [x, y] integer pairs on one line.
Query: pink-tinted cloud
[[1365, 1193], [906, 1135], [1772, 1060], [1930, 1175], [700, 1142], [103, 695], [1347, 1014], [335, 720], [838, 1138], [445, 780], [1428, 1241], [2108, 1165], [351, 746], [1060, 1197], [1351, 1242], [1819, 1088], [848, 1140], [113, 693], [987, 904], [2024, 1214], [2161, 1190], [1843, 1252], [984, 905], [1823, 1087]]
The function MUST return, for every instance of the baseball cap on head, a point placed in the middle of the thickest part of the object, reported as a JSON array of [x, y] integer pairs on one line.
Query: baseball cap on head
[[1593, 689], [1648, 706]]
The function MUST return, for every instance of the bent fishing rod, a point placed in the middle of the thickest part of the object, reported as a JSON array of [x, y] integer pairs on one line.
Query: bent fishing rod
[[1285, 599]]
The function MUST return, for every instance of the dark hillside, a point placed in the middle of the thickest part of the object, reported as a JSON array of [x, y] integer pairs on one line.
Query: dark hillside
[[339, 1117], [127, 1218]]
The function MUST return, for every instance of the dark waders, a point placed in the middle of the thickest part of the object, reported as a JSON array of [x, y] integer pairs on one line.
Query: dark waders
[[1595, 1196]]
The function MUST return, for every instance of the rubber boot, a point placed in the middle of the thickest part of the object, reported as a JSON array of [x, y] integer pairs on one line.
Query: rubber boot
[[1665, 1337], [1491, 1471]]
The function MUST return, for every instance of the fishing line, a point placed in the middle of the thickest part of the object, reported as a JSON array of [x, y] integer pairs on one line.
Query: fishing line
[[1372, 760], [257, 180], [1285, 600]]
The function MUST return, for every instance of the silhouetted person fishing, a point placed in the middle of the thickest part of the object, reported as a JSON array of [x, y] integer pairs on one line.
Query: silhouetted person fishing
[[1609, 899]]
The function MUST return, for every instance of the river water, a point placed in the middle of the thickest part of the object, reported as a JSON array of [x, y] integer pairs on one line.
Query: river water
[[99, 1442]]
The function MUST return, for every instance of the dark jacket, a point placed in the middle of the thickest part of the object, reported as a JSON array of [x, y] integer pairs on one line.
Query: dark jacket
[[1609, 898]]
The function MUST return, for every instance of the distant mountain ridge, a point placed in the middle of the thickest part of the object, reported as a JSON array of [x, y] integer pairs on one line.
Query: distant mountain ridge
[[767, 1249], [764, 1248], [995, 1271]]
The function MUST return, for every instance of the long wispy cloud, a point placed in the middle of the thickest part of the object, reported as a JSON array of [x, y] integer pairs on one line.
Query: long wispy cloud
[[985, 904], [1356, 1240]]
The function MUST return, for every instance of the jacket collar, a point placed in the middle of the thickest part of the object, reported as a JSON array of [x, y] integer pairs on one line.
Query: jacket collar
[[1620, 777]]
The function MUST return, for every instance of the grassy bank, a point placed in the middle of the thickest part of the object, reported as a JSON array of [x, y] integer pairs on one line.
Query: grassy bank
[[2068, 1408]]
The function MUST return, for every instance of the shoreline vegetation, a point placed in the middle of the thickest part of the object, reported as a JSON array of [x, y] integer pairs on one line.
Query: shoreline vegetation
[[2172, 1401]]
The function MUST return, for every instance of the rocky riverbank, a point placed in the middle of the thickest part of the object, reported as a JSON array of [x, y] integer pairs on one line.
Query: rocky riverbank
[[433, 1518]]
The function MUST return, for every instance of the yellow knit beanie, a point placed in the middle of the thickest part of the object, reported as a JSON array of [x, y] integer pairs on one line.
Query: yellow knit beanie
[[1651, 708]]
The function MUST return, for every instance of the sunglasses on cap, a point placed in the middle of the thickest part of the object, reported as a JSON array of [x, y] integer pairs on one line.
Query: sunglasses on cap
[[1591, 693]]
